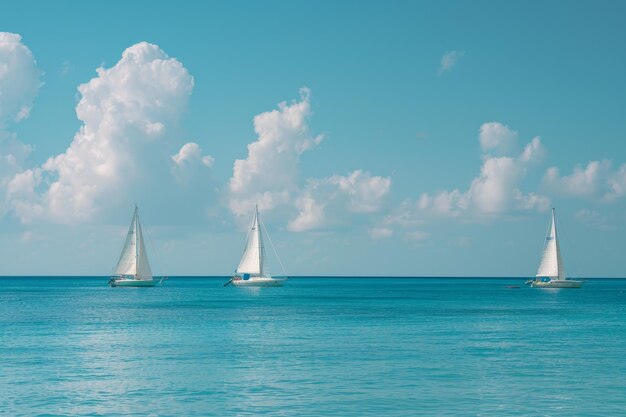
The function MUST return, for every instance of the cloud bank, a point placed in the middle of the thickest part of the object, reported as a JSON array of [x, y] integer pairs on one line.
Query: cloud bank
[[126, 111], [496, 189], [596, 181], [326, 202], [269, 176]]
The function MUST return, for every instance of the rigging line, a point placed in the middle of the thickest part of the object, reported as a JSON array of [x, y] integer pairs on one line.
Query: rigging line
[[272, 245], [564, 233]]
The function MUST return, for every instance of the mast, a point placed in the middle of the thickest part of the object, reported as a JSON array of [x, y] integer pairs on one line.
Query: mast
[[260, 238], [136, 221], [143, 271], [559, 259]]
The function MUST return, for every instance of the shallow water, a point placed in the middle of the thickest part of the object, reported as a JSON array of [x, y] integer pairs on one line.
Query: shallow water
[[316, 347]]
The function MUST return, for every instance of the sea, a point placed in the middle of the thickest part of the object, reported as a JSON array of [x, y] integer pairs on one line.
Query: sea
[[315, 347]]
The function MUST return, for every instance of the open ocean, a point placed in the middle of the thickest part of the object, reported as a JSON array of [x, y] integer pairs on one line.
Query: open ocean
[[316, 347]]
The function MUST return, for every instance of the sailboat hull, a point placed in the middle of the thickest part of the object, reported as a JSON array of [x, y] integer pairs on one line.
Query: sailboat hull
[[132, 283], [557, 283], [258, 282]]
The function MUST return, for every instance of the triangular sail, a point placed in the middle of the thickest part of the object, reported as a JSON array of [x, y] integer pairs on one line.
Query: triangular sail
[[127, 264], [143, 266], [253, 259], [551, 262], [134, 258]]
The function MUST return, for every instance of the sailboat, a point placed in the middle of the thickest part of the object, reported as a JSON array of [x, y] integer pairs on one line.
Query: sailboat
[[133, 268], [551, 273], [252, 270]]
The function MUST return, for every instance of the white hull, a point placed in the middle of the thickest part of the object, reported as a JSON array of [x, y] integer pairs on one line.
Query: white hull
[[125, 282], [557, 283], [258, 282]]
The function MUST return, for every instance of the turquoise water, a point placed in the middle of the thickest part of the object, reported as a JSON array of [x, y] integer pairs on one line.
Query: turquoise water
[[316, 347]]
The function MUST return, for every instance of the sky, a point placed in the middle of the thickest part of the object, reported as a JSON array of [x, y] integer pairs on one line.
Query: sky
[[417, 138]]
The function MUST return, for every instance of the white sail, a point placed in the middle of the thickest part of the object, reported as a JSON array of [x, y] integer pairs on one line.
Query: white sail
[[551, 262], [134, 259], [127, 264], [143, 266], [253, 259]]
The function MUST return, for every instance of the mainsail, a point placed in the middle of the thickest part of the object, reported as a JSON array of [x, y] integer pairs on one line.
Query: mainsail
[[253, 259], [551, 263], [134, 258]]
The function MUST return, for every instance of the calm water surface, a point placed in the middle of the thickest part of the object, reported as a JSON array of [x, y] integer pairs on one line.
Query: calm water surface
[[316, 347]]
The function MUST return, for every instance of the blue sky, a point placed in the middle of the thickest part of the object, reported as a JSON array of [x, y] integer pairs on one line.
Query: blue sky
[[413, 138]]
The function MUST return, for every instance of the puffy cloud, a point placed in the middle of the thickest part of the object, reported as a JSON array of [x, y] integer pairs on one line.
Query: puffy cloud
[[597, 180], [497, 137], [533, 151], [19, 85], [269, 174], [324, 202], [310, 214], [449, 60], [496, 189], [191, 153], [127, 112], [365, 193]]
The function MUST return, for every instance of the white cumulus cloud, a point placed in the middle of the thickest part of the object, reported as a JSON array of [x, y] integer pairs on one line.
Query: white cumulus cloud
[[496, 189], [191, 153], [127, 111], [269, 174], [496, 137], [597, 180]]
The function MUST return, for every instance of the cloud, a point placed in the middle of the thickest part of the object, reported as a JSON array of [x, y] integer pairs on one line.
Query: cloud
[[269, 174], [19, 79], [19, 85], [496, 189], [449, 60], [127, 113], [494, 136], [191, 153], [380, 232], [598, 180], [325, 202], [190, 167], [403, 215]]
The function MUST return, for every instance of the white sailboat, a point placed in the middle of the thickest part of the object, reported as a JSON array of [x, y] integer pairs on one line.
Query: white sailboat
[[551, 273], [133, 268], [252, 270]]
